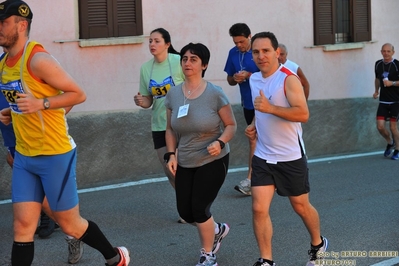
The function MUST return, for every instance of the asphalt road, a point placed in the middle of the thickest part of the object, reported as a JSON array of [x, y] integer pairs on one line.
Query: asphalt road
[[357, 200]]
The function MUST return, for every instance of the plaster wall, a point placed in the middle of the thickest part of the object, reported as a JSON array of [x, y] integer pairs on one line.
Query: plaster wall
[[113, 135]]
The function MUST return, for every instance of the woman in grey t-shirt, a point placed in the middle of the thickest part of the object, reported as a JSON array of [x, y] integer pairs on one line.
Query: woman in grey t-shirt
[[200, 123]]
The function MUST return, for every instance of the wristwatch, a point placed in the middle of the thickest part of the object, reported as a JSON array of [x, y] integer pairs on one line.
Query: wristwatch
[[46, 104], [393, 83], [167, 155], [222, 144]]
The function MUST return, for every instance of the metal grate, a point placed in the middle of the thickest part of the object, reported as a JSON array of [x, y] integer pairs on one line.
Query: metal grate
[[342, 34]]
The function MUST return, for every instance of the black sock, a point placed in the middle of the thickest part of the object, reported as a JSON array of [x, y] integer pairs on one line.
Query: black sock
[[96, 239], [22, 253], [265, 260], [318, 246]]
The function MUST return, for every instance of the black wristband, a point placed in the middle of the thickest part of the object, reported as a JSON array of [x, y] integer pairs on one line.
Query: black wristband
[[167, 155], [222, 144]]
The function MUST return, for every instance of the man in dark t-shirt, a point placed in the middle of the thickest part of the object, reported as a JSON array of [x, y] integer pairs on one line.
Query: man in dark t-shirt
[[387, 78]]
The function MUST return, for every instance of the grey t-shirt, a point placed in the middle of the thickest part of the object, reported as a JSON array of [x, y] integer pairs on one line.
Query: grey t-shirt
[[200, 127]]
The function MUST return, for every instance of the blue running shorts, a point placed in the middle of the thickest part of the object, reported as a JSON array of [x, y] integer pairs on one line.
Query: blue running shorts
[[54, 176]]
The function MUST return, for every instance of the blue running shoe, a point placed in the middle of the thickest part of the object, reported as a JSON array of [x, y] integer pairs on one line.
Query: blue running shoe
[[395, 155], [389, 149]]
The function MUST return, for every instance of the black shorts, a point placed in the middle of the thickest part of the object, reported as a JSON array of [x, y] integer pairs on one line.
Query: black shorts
[[289, 178], [249, 115], [158, 137], [388, 111]]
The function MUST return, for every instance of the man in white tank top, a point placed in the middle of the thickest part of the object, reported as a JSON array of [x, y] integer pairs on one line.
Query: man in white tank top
[[293, 67], [279, 162]]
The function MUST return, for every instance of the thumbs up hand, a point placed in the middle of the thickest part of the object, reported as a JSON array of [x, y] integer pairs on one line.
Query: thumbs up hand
[[261, 103]]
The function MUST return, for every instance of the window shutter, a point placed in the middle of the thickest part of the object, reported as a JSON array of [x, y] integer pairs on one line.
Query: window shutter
[[324, 24], [361, 20], [128, 19], [94, 17]]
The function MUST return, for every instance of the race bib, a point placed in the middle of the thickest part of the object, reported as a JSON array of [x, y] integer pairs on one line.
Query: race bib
[[159, 90], [10, 91]]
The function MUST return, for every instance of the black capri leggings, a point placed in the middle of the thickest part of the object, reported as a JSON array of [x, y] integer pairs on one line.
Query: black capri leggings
[[197, 188]]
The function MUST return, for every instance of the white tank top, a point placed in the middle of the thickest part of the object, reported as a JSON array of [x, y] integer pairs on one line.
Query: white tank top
[[291, 66], [279, 140]]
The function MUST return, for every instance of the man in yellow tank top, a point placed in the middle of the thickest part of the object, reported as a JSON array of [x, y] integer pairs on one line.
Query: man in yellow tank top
[[38, 90]]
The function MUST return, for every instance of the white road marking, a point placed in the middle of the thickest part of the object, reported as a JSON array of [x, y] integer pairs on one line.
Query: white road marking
[[233, 170]]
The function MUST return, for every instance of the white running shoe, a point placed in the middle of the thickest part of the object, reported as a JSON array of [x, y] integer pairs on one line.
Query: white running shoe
[[244, 187], [223, 231], [207, 259], [125, 257], [314, 254]]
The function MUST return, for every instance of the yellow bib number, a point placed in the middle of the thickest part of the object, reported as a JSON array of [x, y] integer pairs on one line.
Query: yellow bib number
[[160, 91]]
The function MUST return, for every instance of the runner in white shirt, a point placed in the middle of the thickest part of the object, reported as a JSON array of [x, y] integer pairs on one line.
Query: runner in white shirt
[[279, 163]]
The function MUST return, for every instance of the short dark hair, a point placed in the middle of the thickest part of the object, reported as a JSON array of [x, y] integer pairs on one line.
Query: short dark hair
[[240, 29], [166, 36], [266, 34], [199, 50], [29, 21]]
